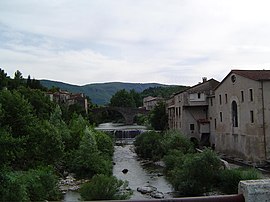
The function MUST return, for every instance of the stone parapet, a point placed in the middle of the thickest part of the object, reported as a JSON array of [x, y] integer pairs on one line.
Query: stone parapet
[[255, 190]]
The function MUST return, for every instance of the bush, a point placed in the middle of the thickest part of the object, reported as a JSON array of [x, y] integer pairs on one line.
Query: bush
[[148, 145], [175, 140], [33, 185], [173, 159], [197, 175], [102, 187], [229, 179]]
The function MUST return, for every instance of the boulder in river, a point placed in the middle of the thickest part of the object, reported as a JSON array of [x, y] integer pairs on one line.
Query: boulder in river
[[146, 189], [157, 194], [125, 171]]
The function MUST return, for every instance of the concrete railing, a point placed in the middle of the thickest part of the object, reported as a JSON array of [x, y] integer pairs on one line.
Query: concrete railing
[[255, 190]]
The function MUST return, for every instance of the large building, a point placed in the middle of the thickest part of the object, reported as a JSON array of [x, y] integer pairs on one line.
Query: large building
[[233, 116], [243, 115], [189, 112], [150, 102]]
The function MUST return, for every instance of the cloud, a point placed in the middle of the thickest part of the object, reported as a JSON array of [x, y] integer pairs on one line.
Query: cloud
[[166, 41]]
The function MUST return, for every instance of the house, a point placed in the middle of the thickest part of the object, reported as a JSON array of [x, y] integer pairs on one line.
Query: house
[[242, 127], [189, 112], [150, 102], [65, 97]]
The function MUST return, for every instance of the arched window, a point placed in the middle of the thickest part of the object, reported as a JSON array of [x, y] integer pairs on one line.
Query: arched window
[[234, 114]]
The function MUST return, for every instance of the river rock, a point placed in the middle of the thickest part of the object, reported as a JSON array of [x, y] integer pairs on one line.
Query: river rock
[[125, 171], [157, 194], [146, 189]]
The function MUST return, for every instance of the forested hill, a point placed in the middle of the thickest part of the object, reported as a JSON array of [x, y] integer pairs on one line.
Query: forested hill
[[101, 93]]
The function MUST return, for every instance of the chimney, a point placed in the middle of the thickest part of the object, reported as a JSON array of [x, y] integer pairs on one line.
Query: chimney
[[204, 79]]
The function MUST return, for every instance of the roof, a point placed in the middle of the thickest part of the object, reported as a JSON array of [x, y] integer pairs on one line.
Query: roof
[[205, 86], [256, 75]]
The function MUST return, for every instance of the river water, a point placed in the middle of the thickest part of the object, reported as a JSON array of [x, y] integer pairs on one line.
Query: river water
[[140, 173]]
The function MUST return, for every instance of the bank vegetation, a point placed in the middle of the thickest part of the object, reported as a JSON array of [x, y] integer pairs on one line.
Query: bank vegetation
[[191, 173]]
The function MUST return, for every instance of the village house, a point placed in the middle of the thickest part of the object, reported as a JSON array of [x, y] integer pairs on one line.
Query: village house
[[243, 115], [189, 112], [65, 97], [150, 102]]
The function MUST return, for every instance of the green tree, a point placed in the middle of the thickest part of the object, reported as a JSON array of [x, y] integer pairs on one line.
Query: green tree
[[148, 145], [4, 79], [87, 161], [11, 149], [122, 98], [45, 145], [173, 139], [136, 97], [18, 113], [18, 80], [42, 105], [158, 117]]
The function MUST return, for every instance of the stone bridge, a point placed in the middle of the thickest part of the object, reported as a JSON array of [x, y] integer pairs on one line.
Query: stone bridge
[[127, 112]]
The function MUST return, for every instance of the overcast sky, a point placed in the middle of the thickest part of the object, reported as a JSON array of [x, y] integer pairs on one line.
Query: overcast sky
[[164, 41]]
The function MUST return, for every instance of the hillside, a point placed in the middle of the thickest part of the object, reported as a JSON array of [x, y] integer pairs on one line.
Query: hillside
[[100, 93]]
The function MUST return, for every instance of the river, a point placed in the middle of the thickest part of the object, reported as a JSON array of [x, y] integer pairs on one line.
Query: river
[[140, 173]]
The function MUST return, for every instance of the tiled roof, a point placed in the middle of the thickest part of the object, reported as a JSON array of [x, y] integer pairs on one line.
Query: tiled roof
[[256, 75]]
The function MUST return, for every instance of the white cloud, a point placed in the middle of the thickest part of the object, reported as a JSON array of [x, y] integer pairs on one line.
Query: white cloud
[[166, 41]]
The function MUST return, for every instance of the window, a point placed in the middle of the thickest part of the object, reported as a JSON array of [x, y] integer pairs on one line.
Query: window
[[234, 114], [211, 101], [215, 123], [251, 95], [226, 98], [220, 100], [251, 116], [192, 126], [199, 95], [220, 116], [242, 95]]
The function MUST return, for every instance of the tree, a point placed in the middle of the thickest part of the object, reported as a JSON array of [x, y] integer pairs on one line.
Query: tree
[[42, 105], [18, 80], [87, 161], [158, 117], [18, 113], [4, 79], [136, 97], [122, 98]]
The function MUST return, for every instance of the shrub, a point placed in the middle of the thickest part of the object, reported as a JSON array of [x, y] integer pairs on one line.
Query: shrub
[[229, 179], [175, 140], [197, 174], [102, 187], [173, 159], [33, 185], [148, 145]]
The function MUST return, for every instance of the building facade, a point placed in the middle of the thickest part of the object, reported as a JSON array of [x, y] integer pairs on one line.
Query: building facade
[[189, 112], [65, 97], [243, 115], [150, 102]]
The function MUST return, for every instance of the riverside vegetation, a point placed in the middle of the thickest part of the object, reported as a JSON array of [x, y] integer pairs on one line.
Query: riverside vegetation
[[189, 172], [41, 140]]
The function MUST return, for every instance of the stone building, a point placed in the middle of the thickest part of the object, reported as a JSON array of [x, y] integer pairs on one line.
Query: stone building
[[65, 97], [189, 112], [150, 102], [243, 115]]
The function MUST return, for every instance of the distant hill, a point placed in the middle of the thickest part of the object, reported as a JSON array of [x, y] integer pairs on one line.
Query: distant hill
[[101, 93]]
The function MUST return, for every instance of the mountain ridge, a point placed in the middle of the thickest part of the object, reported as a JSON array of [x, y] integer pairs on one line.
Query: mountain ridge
[[100, 93]]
